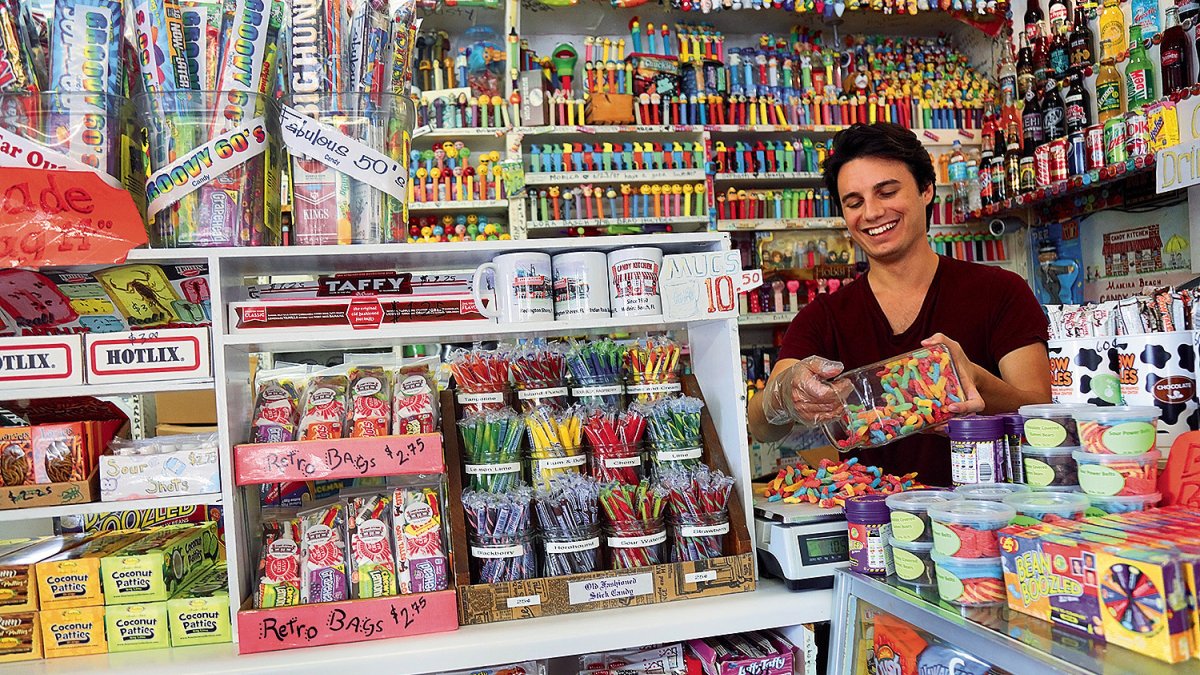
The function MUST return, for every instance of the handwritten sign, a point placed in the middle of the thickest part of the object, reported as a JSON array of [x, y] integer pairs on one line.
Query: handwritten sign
[[1177, 167], [264, 630], [704, 285], [338, 458]]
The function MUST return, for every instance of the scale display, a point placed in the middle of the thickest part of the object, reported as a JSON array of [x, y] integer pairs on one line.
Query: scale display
[[822, 550]]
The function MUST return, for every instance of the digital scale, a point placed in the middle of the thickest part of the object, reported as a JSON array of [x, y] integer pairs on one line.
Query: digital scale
[[802, 544]]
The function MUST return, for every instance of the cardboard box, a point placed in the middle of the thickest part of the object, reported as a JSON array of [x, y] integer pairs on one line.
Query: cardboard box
[[153, 568], [198, 613], [20, 637], [50, 361], [148, 356], [52, 494], [360, 313], [780, 661], [138, 626], [610, 109], [72, 578], [16, 448], [186, 407], [18, 579], [176, 429], [73, 632], [168, 474], [61, 453]]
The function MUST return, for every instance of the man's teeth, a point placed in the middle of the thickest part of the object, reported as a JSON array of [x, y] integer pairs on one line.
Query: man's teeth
[[875, 231]]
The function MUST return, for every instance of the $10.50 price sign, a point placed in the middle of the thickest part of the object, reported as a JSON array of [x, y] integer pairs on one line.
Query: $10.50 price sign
[[704, 285]]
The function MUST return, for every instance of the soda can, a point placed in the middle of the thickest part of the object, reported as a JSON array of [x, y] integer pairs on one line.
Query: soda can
[[1058, 160], [1028, 175], [1041, 163], [1137, 134], [1076, 154], [1114, 140], [1094, 139]]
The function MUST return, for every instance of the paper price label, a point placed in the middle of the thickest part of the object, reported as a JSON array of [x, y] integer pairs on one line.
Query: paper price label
[[202, 165], [600, 390], [704, 530], [497, 552], [698, 577], [325, 143], [662, 388], [559, 462], [524, 601], [704, 285], [573, 546], [18, 152], [476, 399], [492, 469], [533, 394], [621, 462], [641, 541], [678, 455]]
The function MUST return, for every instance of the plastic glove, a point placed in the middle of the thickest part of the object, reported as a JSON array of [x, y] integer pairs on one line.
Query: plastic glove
[[802, 393]]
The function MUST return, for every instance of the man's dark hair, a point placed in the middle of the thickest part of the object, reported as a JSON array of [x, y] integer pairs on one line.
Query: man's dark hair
[[885, 141]]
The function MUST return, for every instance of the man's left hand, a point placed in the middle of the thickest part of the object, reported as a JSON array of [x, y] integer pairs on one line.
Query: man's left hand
[[973, 403]]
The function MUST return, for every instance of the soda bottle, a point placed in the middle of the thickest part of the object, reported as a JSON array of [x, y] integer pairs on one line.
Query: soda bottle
[[1112, 31], [1054, 113], [985, 168], [1079, 105], [1110, 99], [1060, 53], [1033, 133], [1176, 57], [958, 179], [999, 179], [1012, 162], [1007, 73], [974, 199], [1035, 29], [1025, 72], [1139, 76], [1082, 42], [1059, 14]]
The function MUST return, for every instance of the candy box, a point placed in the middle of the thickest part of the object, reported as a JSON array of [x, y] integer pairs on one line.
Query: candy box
[[73, 632], [1050, 577], [60, 452], [759, 652], [193, 471], [16, 456], [137, 626], [72, 578], [20, 637], [1144, 603], [151, 569], [18, 578], [198, 613], [895, 398], [1118, 475], [145, 356]]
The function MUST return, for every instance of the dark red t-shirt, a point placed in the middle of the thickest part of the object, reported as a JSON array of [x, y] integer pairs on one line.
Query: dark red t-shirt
[[988, 310]]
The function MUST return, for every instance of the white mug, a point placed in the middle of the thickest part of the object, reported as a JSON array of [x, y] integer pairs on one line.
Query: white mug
[[581, 285], [522, 286], [633, 281]]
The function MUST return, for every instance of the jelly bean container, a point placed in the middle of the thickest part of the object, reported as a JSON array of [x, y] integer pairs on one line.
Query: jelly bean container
[[1119, 430], [1118, 475], [1047, 506], [869, 531], [977, 449], [913, 561], [1107, 506], [1013, 424], [1049, 467], [967, 528], [993, 492], [969, 582], [1051, 425], [909, 513], [892, 399]]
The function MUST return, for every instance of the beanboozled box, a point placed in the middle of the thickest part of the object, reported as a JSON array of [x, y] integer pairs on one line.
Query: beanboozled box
[[1050, 577]]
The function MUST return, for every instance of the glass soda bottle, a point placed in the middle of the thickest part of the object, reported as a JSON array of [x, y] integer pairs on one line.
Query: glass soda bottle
[[958, 179], [1079, 105], [1175, 55], [1110, 99], [1083, 43], [1112, 31], [1060, 53], [1139, 74]]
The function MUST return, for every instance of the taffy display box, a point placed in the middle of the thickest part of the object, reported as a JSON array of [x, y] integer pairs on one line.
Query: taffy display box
[[154, 567], [777, 659]]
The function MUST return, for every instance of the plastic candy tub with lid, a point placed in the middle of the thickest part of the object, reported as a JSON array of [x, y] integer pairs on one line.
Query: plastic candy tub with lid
[[1118, 475], [1047, 506], [1119, 430], [1051, 425], [990, 492], [967, 529], [909, 517]]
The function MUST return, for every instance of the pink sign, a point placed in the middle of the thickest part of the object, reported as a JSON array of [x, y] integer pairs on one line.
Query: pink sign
[[338, 458], [331, 623]]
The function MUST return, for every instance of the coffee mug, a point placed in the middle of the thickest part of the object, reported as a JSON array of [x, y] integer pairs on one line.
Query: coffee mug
[[522, 286], [633, 281], [581, 285]]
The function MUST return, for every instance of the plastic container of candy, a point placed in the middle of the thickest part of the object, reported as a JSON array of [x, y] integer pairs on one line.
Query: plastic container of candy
[[967, 528], [1048, 506], [909, 513], [1118, 430], [892, 399], [1049, 467], [1051, 425], [990, 492], [1118, 475], [913, 561], [1108, 506], [969, 582]]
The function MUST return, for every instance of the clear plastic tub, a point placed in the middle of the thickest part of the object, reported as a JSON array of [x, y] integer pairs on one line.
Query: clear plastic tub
[[967, 529], [1106, 506], [913, 561], [970, 582], [892, 399], [1049, 467], [909, 513], [991, 492], [1120, 430], [1051, 425], [1118, 475], [1048, 506]]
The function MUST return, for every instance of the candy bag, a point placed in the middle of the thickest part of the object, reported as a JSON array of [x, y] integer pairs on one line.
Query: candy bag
[[370, 409], [323, 553], [325, 403], [421, 561], [279, 564], [414, 401], [277, 403], [372, 559]]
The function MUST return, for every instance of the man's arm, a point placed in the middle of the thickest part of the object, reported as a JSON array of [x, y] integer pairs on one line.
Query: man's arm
[[1024, 379], [797, 391], [760, 428]]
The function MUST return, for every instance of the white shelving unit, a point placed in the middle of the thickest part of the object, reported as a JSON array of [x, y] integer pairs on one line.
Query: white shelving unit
[[11, 515], [120, 389]]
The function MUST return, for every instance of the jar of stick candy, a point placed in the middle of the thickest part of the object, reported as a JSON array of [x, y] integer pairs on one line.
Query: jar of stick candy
[[1119, 430], [994, 492], [635, 531], [698, 536], [1047, 507], [913, 562], [895, 398], [539, 374], [615, 441], [967, 529], [1107, 506], [1051, 425], [652, 365], [555, 444], [568, 515], [500, 535], [969, 582], [673, 427], [481, 376], [1049, 467], [699, 504], [597, 376], [491, 442], [1118, 475], [910, 512], [867, 519]]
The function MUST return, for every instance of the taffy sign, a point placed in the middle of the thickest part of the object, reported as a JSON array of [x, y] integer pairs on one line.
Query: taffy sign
[[203, 164]]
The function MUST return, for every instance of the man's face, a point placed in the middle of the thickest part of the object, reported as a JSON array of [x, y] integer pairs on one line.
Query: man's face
[[884, 209]]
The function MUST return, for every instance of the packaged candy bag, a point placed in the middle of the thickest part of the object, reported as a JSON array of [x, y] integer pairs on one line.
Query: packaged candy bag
[[414, 401], [325, 405], [421, 561], [323, 553], [370, 407], [277, 393], [372, 561], [279, 564]]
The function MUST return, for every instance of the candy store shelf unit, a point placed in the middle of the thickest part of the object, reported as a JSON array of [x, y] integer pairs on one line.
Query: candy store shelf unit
[[574, 177], [733, 572], [10, 515], [489, 205], [778, 177], [653, 223], [1062, 189], [638, 130], [766, 318], [430, 133], [1012, 641], [116, 389], [774, 128], [738, 225]]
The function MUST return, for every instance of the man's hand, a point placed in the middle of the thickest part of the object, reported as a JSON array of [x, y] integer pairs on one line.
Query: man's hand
[[973, 403], [802, 393]]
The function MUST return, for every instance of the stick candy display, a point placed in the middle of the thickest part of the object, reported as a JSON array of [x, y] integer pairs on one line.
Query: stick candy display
[[673, 427], [501, 538], [653, 368], [492, 449], [539, 373], [323, 554], [481, 376], [615, 440], [555, 443], [699, 499], [568, 516], [597, 372]]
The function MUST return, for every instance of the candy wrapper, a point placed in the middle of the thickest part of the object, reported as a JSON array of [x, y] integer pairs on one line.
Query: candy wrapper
[[419, 538], [325, 406], [323, 554], [279, 564], [372, 556], [414, 401], [370, 407], [277, 404]]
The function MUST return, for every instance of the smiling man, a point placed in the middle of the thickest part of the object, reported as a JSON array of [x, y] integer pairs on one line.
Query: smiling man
[[989, 318]]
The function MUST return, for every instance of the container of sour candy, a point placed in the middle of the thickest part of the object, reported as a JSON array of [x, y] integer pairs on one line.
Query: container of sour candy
[[969, 582], [892, 399], [1107, 506], [1047, 506], [1118, 430], [990, 492], [1117, 475], [967, 528]]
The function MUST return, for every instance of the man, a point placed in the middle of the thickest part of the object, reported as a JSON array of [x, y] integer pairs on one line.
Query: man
[[988, 317]]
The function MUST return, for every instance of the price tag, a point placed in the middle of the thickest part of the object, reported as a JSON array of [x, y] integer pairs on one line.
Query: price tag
[[704, 285]]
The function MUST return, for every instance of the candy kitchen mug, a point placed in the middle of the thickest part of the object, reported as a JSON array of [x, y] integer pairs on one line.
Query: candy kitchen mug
[[581, 285], [633, 281], [522, 283]]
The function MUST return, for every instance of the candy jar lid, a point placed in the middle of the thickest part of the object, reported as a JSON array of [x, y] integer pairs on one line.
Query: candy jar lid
[[867, 509]]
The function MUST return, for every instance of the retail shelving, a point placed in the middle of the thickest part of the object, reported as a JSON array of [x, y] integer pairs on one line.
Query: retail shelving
[[558, 177], [736, 225], [10, 515], [466, 205], [119, 389], [616, 222], [766, 318], [767, 177], [1067, 188]]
